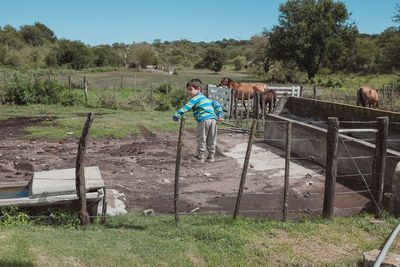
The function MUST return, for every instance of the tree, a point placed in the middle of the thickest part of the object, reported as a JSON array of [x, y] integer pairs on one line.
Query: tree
[[104, 55], [305, 29], [214, 59], [142, 54], [37, 34], [74, 53], [260, 51], [239, 62]]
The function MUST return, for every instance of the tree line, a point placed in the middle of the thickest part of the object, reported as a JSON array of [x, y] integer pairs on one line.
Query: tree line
[[311, 36]]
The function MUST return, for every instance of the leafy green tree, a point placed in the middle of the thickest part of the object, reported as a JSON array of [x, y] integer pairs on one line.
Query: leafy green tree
[[305, 29], [239, 62], [142, 55], [74, 53], [363, 56], [214, 59], [37, 34], [104, 55], [2, 55], [260, 51], [11, 38]]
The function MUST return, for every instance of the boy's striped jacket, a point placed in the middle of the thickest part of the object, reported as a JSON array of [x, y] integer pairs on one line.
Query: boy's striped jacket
[[203, 108]]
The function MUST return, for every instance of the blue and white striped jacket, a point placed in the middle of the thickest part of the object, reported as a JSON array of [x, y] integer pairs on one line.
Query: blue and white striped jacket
[[203, 108]]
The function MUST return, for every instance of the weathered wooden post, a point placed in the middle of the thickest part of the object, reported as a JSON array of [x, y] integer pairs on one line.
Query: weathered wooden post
[[85, 89], [287, 168], [248, 108], [378, 173], [236, 104], [69, 83], [122, 80], [241, 109], [263, 106], [331, 167], [231, 106], [177, 168], [80, 172], [245, 167], [301, 91], [315, 91]]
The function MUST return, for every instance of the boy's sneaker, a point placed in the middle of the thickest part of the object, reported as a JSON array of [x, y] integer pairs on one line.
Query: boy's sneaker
[[198, 159], [210, 159]]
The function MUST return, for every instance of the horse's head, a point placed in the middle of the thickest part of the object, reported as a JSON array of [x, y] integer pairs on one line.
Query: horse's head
[[224, 82]]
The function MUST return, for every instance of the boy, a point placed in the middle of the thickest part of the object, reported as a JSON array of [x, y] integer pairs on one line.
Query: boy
[[204, 110]]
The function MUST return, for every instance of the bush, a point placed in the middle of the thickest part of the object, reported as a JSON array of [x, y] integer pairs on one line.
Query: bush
[[22, 91], [112, 101], [138, 101], [161, 102], [178, 98], [164, 88]]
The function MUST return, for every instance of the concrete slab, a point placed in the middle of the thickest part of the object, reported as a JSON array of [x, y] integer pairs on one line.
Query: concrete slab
[[61, 182]]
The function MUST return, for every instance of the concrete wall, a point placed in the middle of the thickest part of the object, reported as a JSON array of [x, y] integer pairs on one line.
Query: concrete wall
[[316, 110], [310, 140]]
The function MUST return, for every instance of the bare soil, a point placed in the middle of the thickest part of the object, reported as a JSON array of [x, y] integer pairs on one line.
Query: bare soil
[[142, 167]]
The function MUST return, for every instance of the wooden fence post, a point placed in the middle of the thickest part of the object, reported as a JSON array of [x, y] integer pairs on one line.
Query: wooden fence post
[[379, 162], [122, 80], [177, 168], [80, 172], [231, 106], [85, 89], [287, 168], [315, 91], [69, 83], [245, 167], [331, 167]]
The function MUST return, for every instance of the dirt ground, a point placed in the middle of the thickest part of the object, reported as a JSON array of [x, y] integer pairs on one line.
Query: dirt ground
[[142, 169]]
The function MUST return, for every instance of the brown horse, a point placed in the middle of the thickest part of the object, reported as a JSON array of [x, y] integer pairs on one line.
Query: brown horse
[[270, 97], [367, 97], [246, 90]]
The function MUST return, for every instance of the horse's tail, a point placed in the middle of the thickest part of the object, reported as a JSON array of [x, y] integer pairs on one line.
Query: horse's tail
[[361, 97]]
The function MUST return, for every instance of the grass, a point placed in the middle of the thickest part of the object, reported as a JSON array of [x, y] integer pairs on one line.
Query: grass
[[135, 240], [106, 122]]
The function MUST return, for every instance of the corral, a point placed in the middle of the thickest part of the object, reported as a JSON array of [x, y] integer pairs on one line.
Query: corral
[[139, 170]]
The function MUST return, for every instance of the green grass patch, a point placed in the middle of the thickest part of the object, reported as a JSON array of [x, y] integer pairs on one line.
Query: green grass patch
[[106, 122], [135, 240]]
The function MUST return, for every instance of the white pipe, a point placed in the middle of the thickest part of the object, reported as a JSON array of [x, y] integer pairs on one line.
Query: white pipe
[[387, 246]]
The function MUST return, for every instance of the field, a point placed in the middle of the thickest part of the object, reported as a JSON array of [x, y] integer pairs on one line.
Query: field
[[136, 154]]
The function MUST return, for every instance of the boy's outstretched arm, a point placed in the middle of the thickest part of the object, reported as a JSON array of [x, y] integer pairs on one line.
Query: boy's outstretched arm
[[182, 111], [217, 107]]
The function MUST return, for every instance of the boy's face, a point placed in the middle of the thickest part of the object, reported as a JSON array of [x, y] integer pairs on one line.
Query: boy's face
[[192, 91]]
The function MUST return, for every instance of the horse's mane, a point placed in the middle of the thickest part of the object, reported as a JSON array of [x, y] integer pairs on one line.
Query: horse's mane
[[229, 79]]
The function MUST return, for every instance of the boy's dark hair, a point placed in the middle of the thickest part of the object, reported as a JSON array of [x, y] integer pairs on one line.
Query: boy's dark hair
[[195, 83]]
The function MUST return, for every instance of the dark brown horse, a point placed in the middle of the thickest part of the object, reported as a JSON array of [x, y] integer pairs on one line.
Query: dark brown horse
[[270, 97], [367, 97]]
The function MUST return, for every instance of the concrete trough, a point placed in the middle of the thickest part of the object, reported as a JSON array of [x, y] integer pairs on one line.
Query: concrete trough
[[309, 138], [55, 188]]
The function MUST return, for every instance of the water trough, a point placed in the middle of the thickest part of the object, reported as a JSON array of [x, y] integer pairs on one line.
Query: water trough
[[55, 188]]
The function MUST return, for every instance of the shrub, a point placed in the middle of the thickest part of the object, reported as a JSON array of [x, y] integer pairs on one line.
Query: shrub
[[139, 101], [161, 102], [112, 101], [164, 88], [22, 91], [178, 98]]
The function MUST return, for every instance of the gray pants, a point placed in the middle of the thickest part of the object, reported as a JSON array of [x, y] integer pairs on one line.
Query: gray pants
[[206, 137]]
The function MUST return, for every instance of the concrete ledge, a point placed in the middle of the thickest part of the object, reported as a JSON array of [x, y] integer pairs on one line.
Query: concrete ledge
[[61, 182], [46, 201]]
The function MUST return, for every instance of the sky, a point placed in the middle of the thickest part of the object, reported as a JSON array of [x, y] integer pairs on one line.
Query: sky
[[96, 22]]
